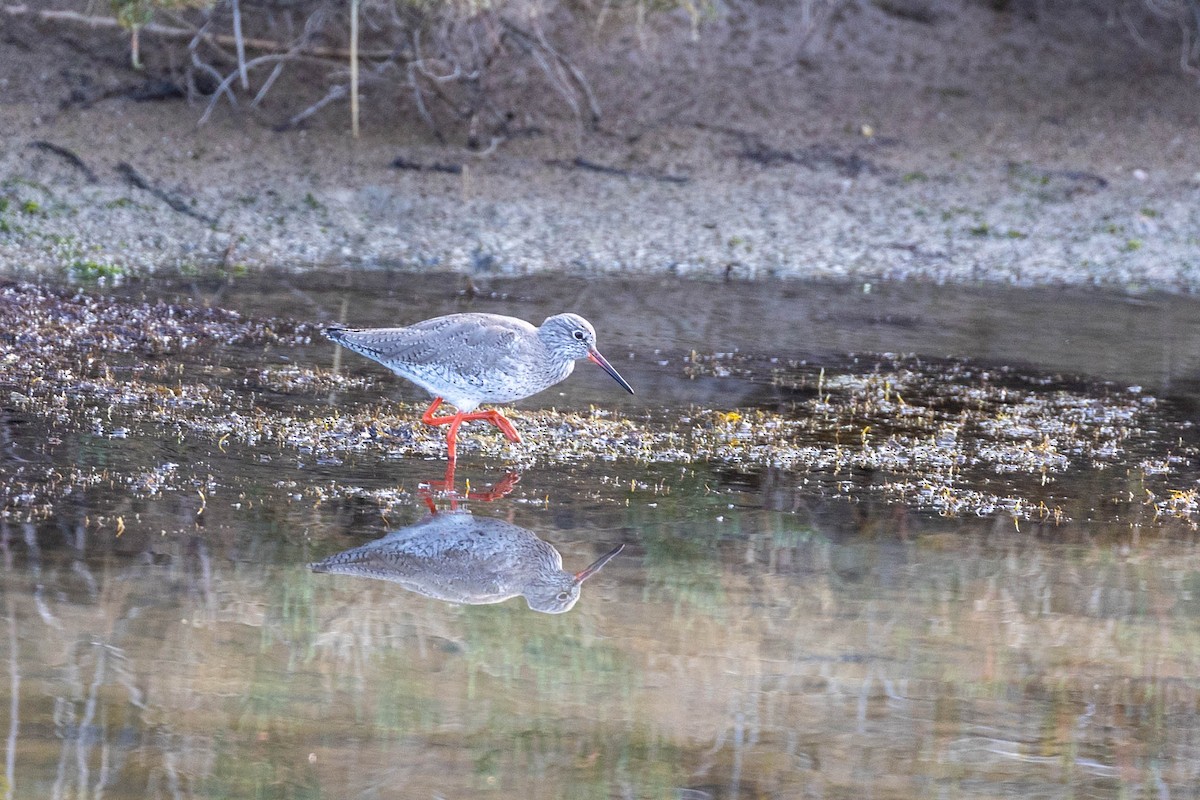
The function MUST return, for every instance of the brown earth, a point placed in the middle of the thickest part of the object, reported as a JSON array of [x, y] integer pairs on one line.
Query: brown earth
[[937, 140]]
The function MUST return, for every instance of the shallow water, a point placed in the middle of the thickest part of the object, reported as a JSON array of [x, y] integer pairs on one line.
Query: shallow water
[[762, 633]]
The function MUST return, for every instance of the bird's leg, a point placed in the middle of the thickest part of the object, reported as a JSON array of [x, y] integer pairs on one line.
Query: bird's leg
[[444, 489], [427, 497], [491, 415], [452, 439], [447, 484], [453, 421], [429, 419], [499, 420]]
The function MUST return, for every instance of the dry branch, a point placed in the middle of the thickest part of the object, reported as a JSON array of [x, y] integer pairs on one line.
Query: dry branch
[[185, 34], [604, 169], [445, 52], [177, 203], [70, 156]]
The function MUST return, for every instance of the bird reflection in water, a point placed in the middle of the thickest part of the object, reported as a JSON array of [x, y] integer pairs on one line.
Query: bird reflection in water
[[460, 558]]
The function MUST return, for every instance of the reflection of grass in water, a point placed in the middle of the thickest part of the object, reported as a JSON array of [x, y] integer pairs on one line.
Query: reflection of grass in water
[[297, 622], [549, 695], [559, 656], [263, 770], [407, 701], [684, 571], [528, 697], [576, 761], [582, 763], [682, 561]]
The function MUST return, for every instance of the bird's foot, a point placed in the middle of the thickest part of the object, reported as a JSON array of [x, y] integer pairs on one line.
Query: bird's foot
[[499, 420]]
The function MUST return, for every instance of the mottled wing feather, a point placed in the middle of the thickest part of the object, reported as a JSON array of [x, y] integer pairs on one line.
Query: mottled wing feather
[[465, 356], [466, 339]]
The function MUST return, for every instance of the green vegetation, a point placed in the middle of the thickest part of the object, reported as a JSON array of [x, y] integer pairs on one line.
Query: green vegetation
[[90, 270], [138, 13]]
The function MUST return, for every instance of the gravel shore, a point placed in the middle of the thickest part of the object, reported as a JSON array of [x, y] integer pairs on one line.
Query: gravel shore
[[861, 162]]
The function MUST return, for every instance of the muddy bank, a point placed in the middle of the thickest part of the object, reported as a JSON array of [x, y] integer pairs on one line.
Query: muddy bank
[[961, 146]]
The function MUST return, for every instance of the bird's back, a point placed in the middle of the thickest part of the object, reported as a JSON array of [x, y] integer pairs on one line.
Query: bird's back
[[467, 358]]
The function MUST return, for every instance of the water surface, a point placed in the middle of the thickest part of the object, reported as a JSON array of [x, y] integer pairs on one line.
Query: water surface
[[763, 634]]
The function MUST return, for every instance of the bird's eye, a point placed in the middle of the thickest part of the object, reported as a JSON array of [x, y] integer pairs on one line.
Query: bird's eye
[[578, 335], [563, 595]]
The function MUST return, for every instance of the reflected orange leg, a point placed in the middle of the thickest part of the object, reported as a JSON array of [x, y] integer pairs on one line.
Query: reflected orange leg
[[446, 487], [501, 489], [455, 420]]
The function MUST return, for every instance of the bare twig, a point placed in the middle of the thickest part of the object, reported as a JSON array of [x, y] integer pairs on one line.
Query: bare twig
[[69, 156], [580, 81], [167, 32], [1185, 51], [241, 45], [604, 169], [419, 98], [211, 70], [445, 53], [553, 65], [174, 201], [335, 93], [224, 87], [354, 68]]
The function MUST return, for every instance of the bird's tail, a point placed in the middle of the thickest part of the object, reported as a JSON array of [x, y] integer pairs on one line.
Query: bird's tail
[[335, 332], [351, 339]]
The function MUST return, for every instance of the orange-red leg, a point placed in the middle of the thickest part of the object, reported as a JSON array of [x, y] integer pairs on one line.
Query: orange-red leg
[[455, 420], [501, 489], [429, 419], [499, 420], [445, 487]]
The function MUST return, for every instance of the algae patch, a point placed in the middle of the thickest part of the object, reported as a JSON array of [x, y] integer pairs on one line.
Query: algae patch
[[951, 436]]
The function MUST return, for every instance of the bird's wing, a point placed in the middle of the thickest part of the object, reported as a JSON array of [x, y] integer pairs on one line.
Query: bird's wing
[[469, 340]]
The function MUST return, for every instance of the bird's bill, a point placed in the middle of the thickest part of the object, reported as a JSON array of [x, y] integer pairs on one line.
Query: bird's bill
[[595, 566], [600, 361]]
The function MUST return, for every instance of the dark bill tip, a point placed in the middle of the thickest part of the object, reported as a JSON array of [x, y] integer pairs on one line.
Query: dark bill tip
[[599, 360], [595, 566]]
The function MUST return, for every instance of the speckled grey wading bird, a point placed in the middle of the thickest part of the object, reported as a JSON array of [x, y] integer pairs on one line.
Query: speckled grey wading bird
[[467, 360], [462, 558]]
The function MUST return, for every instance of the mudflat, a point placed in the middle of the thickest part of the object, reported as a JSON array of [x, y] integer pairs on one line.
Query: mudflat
[[1028, 146]]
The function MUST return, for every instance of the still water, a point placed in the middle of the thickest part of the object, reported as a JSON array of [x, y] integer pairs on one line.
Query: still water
[[754, 637]]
